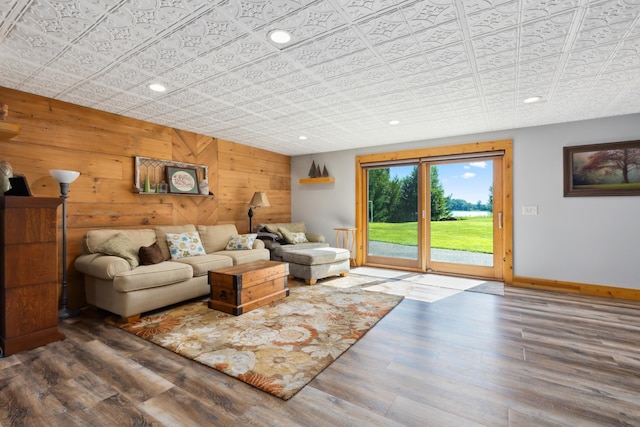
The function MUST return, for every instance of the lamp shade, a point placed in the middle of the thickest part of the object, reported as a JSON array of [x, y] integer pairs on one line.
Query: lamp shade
[[259, 200], [63, 176]]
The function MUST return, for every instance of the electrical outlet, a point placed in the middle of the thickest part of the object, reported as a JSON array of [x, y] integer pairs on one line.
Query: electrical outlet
[[529, 210]]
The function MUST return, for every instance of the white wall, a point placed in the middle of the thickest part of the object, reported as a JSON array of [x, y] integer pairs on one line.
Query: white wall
[[592, 240]]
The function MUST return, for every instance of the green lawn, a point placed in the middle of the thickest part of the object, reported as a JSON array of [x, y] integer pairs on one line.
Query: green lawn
[[473, 234]]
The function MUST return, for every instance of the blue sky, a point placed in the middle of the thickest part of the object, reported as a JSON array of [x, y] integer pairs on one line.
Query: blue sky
[[468, 181]]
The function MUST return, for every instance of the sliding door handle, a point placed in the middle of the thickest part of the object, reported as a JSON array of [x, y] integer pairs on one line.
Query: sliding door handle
[[500, 219]]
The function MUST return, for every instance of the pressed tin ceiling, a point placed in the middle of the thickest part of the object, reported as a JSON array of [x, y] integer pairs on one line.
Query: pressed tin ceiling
[[439, 67]]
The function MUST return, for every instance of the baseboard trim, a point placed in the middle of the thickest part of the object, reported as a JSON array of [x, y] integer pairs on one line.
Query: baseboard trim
[[577, 288]]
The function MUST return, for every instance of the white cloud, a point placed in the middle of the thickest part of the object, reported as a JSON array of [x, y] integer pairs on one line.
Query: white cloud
[[467, 167], [468, 175], [481, 165]]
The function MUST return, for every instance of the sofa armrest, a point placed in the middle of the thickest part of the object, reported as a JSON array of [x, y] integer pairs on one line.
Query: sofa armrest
[[258, 244], [271, 244], [315, 237], [101, 266]]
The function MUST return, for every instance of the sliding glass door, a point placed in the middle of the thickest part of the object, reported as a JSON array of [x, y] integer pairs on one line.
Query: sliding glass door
[[392, 224], [464, 230], [436, 214]]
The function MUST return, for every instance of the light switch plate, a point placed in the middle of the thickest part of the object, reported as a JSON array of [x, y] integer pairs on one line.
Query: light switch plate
[[529, 210]]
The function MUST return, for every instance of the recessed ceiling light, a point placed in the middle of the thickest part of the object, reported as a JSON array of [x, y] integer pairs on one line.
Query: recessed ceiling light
[[280, 36], [157, 87], [532, 99], [394, 122], [302, 137]]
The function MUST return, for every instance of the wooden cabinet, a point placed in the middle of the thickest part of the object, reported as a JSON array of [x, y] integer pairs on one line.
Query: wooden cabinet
[[28, 273]]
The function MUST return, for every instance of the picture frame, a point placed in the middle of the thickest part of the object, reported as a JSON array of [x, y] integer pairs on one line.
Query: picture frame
[[19, 186], [182, 180], [608, 169]]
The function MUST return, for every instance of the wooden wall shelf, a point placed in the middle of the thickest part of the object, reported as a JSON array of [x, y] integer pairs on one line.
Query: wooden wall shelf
[[8, 130], [155, 169], [171, 194], [321, 180]]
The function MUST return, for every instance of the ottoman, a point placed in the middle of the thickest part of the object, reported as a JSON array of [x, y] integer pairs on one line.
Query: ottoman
[[317, 263]]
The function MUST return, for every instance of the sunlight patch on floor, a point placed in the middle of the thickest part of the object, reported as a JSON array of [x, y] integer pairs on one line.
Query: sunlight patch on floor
[[345, 282], [422, 287], [412, 290], [379, 272], [416, 286], [460, 283]]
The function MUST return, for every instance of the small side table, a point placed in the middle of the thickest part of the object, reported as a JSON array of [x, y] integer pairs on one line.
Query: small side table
[[346, 239]]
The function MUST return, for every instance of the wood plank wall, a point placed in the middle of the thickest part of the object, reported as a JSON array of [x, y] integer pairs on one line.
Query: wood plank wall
[[102, 146], [244, 170]]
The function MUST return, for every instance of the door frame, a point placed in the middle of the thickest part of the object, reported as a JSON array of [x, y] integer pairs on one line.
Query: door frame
[[500, 147]]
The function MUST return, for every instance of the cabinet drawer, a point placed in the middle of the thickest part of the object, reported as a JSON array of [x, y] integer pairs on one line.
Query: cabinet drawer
[[30, 263], [34, 228], [30, 308]]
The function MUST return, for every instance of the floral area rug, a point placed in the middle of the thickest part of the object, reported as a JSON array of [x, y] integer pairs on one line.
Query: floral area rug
[[277, 348]]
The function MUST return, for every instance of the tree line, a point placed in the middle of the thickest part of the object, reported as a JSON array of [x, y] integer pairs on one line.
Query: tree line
[[396, 199]]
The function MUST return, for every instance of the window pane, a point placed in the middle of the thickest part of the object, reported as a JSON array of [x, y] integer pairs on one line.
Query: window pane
[[393, 212], [461, 212]]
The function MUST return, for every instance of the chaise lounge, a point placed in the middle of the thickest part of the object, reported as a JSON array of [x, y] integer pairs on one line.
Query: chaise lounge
[[310, 258]]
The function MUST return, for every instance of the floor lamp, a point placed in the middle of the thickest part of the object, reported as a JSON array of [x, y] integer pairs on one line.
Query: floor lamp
[[258, 200], [64, 178]]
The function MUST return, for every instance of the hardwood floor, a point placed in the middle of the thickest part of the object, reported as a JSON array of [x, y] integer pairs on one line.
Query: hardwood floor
[[530, 358]]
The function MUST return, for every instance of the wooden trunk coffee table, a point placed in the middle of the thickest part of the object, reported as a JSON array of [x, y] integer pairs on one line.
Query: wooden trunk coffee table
[[244, 287]]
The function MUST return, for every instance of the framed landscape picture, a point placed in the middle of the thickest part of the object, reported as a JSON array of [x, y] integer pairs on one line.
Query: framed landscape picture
[[609, 169], [182, 180]]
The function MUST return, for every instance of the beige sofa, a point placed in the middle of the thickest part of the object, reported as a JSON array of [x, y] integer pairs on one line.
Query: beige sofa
[[112, 284]]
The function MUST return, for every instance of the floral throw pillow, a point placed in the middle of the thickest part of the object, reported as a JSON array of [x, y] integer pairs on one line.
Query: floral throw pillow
[[241, 242], [183, 245]]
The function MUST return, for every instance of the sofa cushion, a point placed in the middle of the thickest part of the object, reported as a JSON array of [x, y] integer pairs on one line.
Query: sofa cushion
[[316, 256], [152, 276], [215, 237], [241, 257], [279, 250], [203, 264], [292, 237], [161, 235], [183, 245], [121, 246], [150, 255], [240, 242], [93, 238]]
